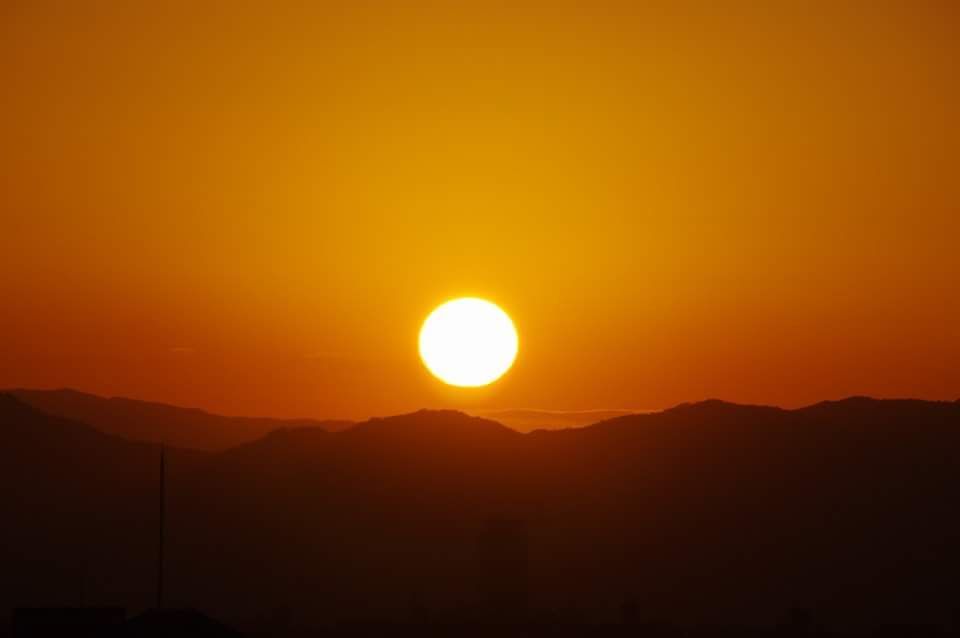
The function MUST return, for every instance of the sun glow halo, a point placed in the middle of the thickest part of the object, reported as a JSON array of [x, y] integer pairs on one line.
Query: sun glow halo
[[468, 342]]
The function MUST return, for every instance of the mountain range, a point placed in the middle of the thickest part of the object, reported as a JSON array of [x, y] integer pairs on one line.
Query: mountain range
[[706, 512], [159, 422], [198, 429]]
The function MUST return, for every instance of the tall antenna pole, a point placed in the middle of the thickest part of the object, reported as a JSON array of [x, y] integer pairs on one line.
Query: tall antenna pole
[[163, 514]]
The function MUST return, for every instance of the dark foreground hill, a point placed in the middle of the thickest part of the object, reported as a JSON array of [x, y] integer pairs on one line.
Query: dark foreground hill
[[79, 510], [160, 423], [705, 513]]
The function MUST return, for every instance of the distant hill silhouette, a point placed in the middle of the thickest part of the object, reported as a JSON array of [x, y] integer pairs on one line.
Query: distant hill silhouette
[[704, 513], [526, 420], [161, 423]]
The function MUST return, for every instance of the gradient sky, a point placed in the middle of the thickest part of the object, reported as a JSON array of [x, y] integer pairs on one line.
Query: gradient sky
[[251, 206]]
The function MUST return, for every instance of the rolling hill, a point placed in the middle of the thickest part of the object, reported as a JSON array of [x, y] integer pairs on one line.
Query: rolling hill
[[707, 512], [159, 422]]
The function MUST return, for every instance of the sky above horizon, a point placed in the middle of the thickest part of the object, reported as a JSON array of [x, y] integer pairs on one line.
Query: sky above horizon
[[251, 207]]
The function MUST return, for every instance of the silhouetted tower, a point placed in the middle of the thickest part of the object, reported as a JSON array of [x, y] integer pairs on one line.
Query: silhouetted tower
[[163, 514], [503, 569], [799, 623], [630, 611]]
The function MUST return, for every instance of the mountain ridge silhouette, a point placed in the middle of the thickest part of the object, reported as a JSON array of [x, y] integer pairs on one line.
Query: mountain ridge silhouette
[[713, 511], [160, 422]]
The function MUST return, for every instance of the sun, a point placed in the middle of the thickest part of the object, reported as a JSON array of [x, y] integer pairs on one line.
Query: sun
[[468, 342]]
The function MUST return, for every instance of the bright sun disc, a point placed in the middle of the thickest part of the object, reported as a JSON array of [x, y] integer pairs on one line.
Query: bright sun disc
[[468, 342]]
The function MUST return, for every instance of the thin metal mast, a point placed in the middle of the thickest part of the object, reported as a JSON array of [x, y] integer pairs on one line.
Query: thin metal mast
[[163, 514]]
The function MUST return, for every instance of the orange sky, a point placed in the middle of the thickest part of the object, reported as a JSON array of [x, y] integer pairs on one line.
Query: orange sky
[[250, 207]]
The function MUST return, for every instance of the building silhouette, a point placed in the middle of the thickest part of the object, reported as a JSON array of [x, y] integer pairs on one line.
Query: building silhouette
[[503, 564], [73, 622]]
